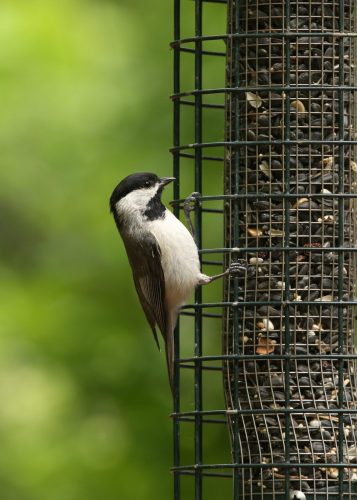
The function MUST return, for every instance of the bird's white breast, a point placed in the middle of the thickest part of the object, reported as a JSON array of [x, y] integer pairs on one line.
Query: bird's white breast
[[179, 257]]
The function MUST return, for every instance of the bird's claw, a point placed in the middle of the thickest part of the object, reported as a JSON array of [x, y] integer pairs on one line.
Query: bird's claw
[[190, 204], [238, 268]]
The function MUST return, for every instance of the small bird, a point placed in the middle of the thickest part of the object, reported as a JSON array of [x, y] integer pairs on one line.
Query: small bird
[[162, 253]]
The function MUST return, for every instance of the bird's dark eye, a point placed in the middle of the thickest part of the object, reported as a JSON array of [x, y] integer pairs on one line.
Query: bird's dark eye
[[147, 183]]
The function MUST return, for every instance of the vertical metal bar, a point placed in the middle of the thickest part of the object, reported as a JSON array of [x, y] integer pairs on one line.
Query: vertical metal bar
[[341, 255], [198, 229], [176, 173], [237, 487], [287, 205], [176, 104]]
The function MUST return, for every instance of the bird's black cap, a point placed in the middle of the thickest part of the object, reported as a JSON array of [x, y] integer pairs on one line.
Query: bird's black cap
[[130, 183]]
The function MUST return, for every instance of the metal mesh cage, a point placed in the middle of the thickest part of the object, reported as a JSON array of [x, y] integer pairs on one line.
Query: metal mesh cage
[[276, 132]]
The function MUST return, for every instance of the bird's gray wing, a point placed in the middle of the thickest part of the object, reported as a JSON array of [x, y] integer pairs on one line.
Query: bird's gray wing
[[145, 261]]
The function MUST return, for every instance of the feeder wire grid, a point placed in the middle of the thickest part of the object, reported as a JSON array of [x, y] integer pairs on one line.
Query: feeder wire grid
[[278, 136]]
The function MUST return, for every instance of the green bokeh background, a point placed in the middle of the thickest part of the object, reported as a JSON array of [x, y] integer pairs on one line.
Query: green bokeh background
[[84, 88]]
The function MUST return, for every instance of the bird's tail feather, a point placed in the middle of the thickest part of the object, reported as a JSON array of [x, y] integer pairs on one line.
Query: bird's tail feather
[[170, 362], [170, 351]]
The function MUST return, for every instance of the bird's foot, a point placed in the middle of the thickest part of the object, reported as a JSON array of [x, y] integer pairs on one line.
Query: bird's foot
[[238, 269], [190, 204], [192, 201]]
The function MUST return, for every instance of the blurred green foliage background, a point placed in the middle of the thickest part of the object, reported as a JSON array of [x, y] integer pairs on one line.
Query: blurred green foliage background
[[84, 88]]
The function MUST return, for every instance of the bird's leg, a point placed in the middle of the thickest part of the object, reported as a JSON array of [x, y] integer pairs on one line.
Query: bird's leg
[[238, 269], [190, 204]]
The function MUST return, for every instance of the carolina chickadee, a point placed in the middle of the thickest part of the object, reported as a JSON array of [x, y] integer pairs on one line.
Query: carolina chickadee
[[161, 251]]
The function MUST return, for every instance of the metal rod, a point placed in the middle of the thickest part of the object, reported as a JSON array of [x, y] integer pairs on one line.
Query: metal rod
[[176, 173], [198, 235], [341, 219], [237, 483], [286, 293]]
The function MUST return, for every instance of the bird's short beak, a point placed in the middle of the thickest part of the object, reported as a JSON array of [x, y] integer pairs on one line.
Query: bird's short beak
[[166, 180]]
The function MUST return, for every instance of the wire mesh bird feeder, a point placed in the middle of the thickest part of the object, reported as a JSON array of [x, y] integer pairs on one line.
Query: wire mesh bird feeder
[[264, 129]]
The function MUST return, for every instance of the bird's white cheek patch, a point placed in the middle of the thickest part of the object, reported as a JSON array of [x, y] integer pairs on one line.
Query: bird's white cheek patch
[[131, 207], [139, 198]]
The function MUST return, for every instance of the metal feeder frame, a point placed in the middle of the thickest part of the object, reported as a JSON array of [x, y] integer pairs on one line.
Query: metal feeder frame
[[248, 477]]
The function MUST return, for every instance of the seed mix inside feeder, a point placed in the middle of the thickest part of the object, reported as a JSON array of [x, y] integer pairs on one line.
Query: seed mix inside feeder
[[291, 165]]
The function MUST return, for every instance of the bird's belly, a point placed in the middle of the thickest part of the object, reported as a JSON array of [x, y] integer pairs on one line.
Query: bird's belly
[[181, 276], [179, 260]]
